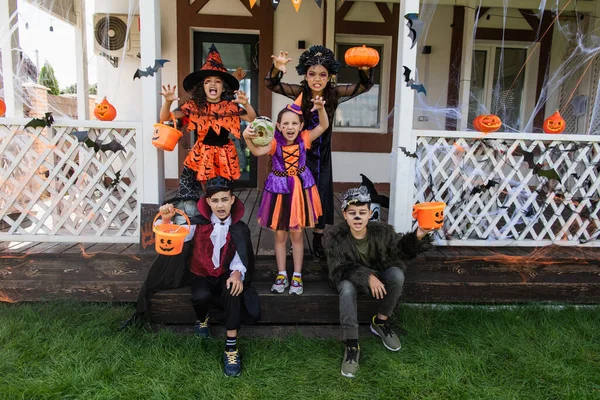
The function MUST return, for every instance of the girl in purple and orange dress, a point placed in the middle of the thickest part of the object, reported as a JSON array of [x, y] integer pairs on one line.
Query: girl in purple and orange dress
[[290, 200]]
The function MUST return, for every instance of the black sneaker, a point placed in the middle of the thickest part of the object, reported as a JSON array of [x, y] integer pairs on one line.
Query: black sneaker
[[232, 363], [350, 363], [201, 329]]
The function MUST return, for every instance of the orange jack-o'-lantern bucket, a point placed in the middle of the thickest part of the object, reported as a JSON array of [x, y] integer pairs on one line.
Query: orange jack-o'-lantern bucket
[[165, 137], [170, 237], [429, 215]]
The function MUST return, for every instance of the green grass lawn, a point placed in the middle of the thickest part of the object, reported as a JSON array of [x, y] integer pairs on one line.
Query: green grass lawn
[[72, 351]]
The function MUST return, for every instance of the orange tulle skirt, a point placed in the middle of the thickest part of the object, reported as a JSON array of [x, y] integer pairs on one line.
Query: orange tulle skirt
[[211, 161], [290, 212]]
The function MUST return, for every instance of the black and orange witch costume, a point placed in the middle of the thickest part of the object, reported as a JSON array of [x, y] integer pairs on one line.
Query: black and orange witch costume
[[318, 157], [213, 154]]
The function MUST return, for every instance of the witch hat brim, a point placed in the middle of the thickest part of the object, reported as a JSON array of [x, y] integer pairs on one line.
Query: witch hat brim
[[212, 67]]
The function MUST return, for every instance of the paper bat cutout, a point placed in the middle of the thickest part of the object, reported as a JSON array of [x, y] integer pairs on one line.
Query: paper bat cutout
[[484, 188], [537, 168], [415, 27], [150, 70], [115, 181], [47, 120], [411, 82], [113, 146], [408, 153]]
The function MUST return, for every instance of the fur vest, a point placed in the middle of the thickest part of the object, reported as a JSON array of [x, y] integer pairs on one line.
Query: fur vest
[[386, 249]]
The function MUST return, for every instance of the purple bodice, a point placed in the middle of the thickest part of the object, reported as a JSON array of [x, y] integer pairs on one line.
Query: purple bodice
[[279, 180]]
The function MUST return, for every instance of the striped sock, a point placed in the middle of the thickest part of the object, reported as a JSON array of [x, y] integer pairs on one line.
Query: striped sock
[[231, 344]]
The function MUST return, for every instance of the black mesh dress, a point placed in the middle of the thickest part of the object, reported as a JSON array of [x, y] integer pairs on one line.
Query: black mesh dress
[[318, 158]]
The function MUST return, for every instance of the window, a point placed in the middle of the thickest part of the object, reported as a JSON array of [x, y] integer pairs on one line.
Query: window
[[498, 85], [365, 112]]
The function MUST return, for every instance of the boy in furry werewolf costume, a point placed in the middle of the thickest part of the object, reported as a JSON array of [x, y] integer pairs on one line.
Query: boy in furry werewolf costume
[[368, 257]]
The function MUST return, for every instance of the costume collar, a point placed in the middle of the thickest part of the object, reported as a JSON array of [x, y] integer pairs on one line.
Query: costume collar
[[237, 210]]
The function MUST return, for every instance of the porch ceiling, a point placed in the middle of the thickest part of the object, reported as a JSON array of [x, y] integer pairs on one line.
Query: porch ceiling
[[62, 9], [582, 5]]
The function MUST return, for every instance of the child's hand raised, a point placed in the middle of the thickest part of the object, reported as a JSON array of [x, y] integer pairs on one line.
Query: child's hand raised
[[168, 93], [318, 103], [280, 61], [249, 133], [167, 211], [240, 98]]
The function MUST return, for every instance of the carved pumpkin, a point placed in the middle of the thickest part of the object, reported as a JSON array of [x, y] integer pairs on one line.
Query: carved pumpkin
[[487, 123], [362, 57], [105, 111], [555, 123], [2, 107]]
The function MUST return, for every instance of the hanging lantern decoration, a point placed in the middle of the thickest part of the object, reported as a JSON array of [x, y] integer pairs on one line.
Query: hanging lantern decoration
[[555, 123], [487, 123], [105, 111], [2, 107], [361, 57]]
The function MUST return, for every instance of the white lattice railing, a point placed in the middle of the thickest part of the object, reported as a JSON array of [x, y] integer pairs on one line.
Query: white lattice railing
[[495, 198], [54, 188]]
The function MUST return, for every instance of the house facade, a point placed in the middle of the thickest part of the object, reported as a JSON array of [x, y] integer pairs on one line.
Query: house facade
[[522, 60]]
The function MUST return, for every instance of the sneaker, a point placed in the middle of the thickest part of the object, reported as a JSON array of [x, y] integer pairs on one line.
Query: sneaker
[[232, 363], [390, 340], [350, 363], [281, 283], [201, 329], [297, 287]]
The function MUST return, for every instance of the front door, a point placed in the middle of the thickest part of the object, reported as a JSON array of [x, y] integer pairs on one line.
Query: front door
[[237, 50]]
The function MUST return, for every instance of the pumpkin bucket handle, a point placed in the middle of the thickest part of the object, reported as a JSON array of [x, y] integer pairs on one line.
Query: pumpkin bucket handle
[[172, 232], [172, 119]]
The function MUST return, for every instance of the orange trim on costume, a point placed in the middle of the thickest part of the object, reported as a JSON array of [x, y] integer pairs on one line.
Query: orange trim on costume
[[276, 213], [316, 201], [297, 213], [305, 136]]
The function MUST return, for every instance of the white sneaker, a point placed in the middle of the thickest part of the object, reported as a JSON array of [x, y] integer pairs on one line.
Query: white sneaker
[[281, 283], [297, 287]]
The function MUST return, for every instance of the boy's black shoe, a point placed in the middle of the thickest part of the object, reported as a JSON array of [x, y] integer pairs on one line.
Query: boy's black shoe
[[232, 363], [318, 249]]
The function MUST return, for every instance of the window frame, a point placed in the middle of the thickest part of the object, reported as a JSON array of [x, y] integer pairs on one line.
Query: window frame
[[530, 74], [384, 89]]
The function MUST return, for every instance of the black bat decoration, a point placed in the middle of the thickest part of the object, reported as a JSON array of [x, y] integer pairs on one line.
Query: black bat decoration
[[415, 26], [408, 153], [81, 135], [484, 188], [411, 82], [47, 120], [113, 146], [150, 70], [537, 168], [115, 181]]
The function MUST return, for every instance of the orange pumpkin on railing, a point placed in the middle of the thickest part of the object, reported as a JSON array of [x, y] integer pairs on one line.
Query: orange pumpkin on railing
[[105, 111], [487, 123], [555, 123], [2, 107], [361, 57]]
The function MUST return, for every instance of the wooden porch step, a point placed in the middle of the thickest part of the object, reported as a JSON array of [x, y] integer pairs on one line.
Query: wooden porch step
[[318, 305]]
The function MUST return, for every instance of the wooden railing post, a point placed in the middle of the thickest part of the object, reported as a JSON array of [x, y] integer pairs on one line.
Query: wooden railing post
[[151, 167], [403, 167]]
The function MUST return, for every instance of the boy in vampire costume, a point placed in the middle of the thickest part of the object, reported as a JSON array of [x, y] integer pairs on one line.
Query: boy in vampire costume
[[217, 262], [368, 257]]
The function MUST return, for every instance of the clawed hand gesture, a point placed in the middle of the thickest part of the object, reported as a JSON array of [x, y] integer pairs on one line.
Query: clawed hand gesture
[[318, 103], [240, 98], [281, 60], [168, 93]]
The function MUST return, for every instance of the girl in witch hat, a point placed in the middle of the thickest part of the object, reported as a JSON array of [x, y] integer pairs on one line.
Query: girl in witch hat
[[319, 68], [290, 200], [214, 111]]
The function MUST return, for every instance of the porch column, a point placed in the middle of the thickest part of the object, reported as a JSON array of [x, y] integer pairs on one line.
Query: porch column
[[466, 64], [331, 7], [151, 174], [9, 40], [403, 167], [83, 95]]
